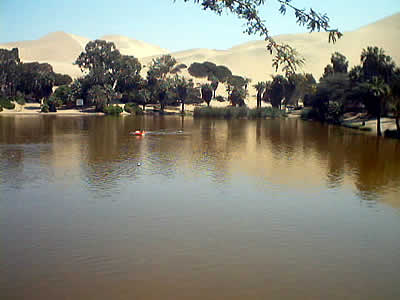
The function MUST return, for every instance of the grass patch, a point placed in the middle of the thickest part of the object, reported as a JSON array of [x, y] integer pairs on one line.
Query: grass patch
[[266, 112], [231, 112]]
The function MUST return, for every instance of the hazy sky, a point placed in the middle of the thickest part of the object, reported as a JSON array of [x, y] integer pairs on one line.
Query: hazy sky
[[175, 26]]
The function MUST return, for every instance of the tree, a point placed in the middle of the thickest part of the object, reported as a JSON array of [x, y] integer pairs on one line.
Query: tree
[[100, 96], [375, 75], [237, 96], [277, 91], [62, 79], [214, 73], [128, 73], [395, 98], [339, 63], [375, 63], [198, 70], [9, 71], [36, 79], [285, 56], [101, 60], [206, 93], [260, 87], [331, 97], [328, 71], [63, 93], [164, 65], [182, 88]]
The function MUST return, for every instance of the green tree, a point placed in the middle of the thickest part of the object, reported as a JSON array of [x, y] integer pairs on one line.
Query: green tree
[[9, 71], [100, 96], [63, 93], [330, 99], [128, 74], [277, 91], [206, 93], [375, 63], [395, 98], [260, 88], [62, 79], [36, 79], [377, 90], [101, 60], [182, 87], [372, 80], [339, 63]]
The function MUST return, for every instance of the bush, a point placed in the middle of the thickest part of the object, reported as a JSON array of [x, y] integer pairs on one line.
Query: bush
[[229, 112], [19, 99], [232, 112], [45, 108], [133, 108], [266, 112], [6, 103], [113, 110]]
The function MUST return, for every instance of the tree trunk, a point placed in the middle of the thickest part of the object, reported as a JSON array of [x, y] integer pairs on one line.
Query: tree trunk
[[378, 125], [162, 107], [144, 107], [183, 107], [397, 125], [208, 103]]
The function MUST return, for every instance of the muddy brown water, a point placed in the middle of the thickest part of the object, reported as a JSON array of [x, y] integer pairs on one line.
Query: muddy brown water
[[264, 209]]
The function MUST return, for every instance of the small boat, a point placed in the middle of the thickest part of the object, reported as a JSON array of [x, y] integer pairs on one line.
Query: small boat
[[138, 133]]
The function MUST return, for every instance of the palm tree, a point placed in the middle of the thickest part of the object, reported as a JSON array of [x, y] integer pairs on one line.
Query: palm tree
[[206, 93], [395, 98], [376, 63], [378, 90], [260, 87]]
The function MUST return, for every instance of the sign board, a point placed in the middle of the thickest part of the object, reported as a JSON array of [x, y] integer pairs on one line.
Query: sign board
[[79, 102]]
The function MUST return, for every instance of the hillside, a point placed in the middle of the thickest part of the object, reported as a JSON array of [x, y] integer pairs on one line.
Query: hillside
[[249, 59]]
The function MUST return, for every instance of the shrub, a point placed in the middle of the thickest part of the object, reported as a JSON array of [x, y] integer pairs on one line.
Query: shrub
[[6, 103], [45, 108], [229, 112], [266, 112], [112, 110], [133, 108], [19, 99]]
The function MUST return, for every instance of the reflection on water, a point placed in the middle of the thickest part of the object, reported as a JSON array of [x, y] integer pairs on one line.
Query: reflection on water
[[277, 209]]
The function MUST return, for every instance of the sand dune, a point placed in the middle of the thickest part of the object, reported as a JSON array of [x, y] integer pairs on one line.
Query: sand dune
[[249, 59]]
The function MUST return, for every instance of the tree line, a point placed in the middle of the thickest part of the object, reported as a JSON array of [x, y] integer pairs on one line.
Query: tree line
[[108, 75], [372, 87], [26, 81]]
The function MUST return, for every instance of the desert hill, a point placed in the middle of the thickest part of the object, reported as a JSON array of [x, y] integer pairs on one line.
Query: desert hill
[[249, 59], [61, 49]]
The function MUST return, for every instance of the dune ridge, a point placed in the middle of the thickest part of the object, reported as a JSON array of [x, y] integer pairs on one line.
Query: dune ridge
[[249, 59]]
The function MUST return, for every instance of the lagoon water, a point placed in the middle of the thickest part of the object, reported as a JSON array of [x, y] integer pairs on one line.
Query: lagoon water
[[237, 209]]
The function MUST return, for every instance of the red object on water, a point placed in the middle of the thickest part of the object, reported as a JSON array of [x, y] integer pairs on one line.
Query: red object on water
[[139, 133]]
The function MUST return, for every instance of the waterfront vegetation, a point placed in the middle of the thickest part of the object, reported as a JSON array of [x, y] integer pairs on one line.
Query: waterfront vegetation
[[231, 112], [371, 89]]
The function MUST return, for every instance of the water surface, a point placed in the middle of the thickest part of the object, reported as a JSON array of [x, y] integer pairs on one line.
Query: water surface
[[264, 209]]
